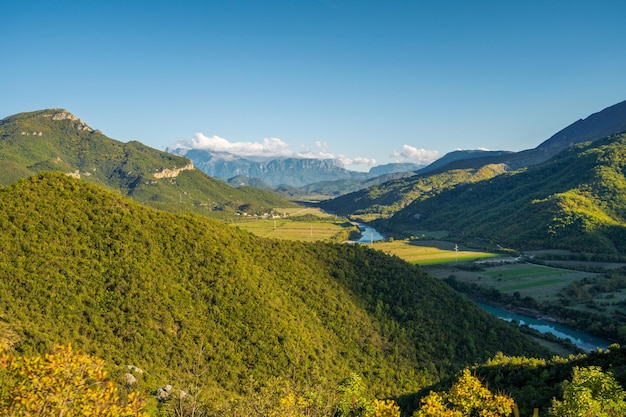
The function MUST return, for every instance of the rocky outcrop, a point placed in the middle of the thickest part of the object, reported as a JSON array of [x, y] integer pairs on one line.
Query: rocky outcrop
[[65, 115], [130, 379], [172, 173]]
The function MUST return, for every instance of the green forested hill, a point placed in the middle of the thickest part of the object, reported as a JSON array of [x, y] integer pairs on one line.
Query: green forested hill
[[174, 294], [575, 201], [56, 140], [387, 198]]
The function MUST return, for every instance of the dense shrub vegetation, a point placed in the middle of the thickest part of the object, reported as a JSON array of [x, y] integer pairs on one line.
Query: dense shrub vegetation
[[67, 382], [168, 293]]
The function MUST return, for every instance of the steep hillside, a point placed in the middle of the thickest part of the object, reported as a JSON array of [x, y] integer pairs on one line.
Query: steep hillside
[[599, 125], [56, 140], [463, 155], [575, 201], [383, 200], [457, 167], [171, 293]]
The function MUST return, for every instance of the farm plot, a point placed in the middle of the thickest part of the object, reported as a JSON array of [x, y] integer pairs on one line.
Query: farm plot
[[292, 230], [430, 253], [539, 282]]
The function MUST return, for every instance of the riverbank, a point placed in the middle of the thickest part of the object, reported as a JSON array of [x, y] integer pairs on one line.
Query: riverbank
[[368, 234], [582, 340]]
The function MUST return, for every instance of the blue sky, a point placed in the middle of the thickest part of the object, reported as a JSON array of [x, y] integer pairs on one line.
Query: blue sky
[[363, 81]]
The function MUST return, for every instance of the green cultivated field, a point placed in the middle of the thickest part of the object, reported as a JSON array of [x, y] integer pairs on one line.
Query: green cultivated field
[[326, 227], [321, 227], [291, 230], [539, 282], [430, 252]]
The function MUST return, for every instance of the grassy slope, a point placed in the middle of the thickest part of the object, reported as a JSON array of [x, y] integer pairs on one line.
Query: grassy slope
[[134, 285]]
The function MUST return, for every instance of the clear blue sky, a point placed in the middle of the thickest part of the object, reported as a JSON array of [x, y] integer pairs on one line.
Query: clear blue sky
[[351, 79]]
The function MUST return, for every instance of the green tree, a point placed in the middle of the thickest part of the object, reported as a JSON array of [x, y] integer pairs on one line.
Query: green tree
[[466, 398], [352, 401], [591, 393]]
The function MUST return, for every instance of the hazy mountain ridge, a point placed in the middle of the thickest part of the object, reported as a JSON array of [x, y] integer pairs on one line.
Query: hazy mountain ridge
[[609, 121], [278, 172], [56, 140], [299, 172]]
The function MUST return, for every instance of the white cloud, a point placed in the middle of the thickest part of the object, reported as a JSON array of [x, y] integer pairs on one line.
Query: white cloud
[[357, 161], [322, 145], [320, 153], [413, 154], [270, 147]]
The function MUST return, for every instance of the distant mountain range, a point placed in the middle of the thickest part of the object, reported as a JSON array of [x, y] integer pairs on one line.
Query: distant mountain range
[[56, 140], [301, 176], [290, 172]]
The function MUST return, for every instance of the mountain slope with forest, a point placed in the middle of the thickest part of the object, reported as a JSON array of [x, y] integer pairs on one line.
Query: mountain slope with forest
[[458, 167], [383, 200], [575, 201], [169, 293], [56, 140]]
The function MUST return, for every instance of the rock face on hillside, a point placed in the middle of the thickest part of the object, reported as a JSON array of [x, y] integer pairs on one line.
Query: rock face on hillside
[[172, 173], [65, 115]]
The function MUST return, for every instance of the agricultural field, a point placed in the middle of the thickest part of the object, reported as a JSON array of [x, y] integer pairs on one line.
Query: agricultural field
[[431, 252], [302, 211], [541, 283], [291, 225]]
